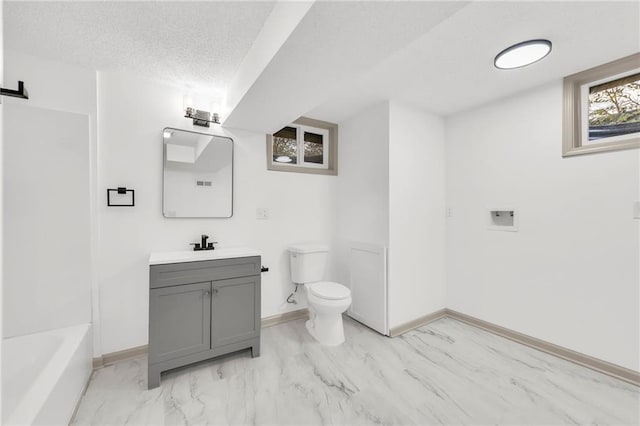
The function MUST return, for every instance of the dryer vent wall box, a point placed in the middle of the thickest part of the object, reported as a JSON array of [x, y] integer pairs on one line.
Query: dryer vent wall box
[[503, 219]]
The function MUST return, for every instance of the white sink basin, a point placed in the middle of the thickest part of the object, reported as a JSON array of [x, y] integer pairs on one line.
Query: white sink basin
[[196, 256]]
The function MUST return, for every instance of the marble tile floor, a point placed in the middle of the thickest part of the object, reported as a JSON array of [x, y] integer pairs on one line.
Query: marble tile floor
[[444, 373]]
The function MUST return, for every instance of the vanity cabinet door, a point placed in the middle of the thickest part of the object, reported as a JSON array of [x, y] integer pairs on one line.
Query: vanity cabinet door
[[235, 310], [179, 321]]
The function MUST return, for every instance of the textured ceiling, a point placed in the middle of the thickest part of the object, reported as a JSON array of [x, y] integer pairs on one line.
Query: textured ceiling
[[190, 44], [440, 57]]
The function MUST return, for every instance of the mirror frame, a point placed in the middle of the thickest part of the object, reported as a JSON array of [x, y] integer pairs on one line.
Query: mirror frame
[[164, 159]]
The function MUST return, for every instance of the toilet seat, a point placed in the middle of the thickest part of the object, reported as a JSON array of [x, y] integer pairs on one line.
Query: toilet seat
[[329, 290]]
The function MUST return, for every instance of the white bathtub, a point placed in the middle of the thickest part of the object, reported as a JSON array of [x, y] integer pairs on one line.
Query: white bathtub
[[44, 374]]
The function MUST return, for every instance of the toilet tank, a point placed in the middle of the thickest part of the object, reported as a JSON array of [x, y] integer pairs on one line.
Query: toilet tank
[[308, 262]]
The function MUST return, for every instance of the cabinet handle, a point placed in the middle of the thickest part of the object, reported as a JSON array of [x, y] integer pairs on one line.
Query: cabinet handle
[[215, 291], [207, 293]]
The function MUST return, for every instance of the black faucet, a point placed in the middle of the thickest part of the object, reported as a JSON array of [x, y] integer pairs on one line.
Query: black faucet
[[203, 245]]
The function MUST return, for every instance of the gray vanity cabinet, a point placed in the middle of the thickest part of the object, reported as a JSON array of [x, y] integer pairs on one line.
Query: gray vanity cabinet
[[233, 310], [200, 310], [181, 321]]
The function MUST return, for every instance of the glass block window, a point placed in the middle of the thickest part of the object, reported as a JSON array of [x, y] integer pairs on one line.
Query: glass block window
[[285, 145], [313, 148], [305, 146]]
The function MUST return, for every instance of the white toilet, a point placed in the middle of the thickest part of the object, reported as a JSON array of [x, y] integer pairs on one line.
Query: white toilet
[[327, 300]]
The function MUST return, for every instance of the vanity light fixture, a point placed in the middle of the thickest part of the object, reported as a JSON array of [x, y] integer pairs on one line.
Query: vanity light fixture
[[283, 159], [201, 117], [522, 54]]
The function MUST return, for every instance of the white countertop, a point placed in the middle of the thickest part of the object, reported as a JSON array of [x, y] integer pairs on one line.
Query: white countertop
[[196, 256]]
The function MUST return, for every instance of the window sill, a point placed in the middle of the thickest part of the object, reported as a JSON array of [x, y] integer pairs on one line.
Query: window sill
[[301, 169]]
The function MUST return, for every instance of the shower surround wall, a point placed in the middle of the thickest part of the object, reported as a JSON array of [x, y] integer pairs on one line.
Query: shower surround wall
[[1, 182], [46, 247], [48, 83], [47, 244], [50, 241]]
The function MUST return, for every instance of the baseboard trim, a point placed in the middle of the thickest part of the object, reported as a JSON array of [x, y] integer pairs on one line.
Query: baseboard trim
[[97, 363], [613, 370], [418, 322], [113, 357], [605, 367], [137, 352], [285, 317]]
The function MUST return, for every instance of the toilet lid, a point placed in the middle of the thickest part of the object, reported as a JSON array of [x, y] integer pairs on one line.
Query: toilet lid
[[330, 290]]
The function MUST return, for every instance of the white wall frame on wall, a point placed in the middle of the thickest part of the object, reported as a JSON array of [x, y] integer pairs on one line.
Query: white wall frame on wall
[[575, 109]]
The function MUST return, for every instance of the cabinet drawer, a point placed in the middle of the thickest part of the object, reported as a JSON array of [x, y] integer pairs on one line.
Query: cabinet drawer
[[208, 270]]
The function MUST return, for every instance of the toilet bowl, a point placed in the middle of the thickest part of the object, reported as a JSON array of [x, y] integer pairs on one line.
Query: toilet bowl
[[327, 300]]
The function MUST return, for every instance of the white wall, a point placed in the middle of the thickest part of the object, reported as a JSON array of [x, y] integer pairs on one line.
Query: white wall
[[570, 275], [58, 87], [552, 279], [416, 214], [132, 114], [361, 212]]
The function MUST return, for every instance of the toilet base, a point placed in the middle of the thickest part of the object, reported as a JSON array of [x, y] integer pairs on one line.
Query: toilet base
[[328, 331]]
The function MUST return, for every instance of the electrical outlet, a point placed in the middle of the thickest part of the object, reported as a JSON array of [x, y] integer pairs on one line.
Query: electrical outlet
[[449, 212], [262, 213]]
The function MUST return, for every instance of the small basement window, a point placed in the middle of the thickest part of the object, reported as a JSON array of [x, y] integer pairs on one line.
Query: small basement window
[[602, 108], [305, 146]]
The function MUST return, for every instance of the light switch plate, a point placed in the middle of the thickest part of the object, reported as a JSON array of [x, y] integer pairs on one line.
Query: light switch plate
[[262, 213], [636, 210]]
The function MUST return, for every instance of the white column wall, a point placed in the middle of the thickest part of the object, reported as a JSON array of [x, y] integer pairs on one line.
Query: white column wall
[[361, 189], [416, 214]]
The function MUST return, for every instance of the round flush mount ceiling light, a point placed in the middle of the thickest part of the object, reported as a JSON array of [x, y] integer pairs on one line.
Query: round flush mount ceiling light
[[284, 159], [522, 54]]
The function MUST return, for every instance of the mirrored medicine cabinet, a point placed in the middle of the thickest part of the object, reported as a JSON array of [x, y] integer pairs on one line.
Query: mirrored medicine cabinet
[[197, 175]]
